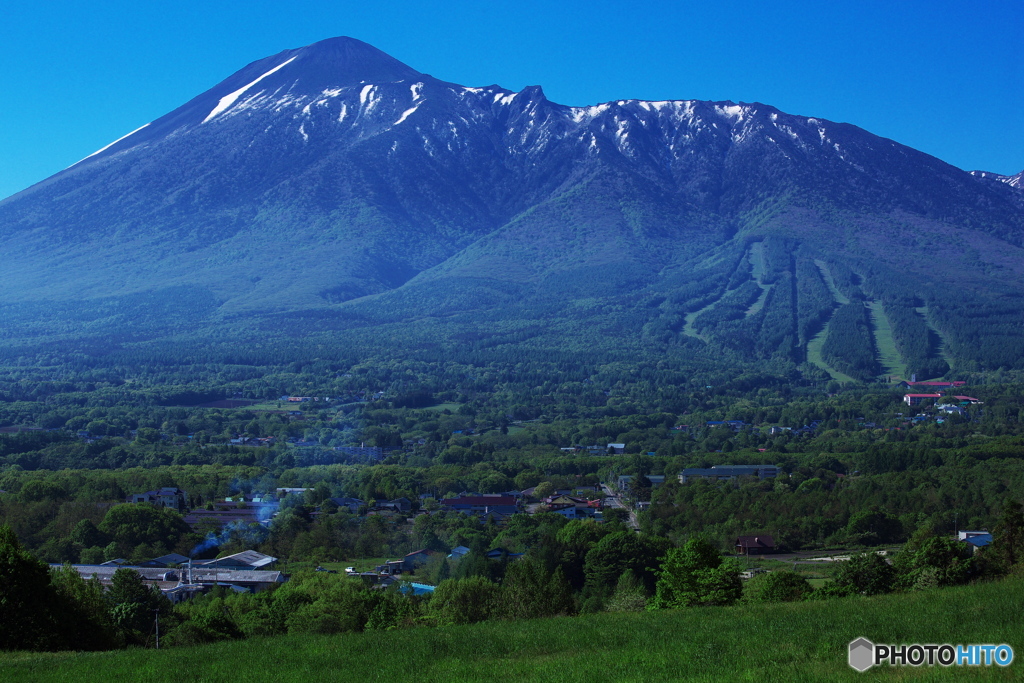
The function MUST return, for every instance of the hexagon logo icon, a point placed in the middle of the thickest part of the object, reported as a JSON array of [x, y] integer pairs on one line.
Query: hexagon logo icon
[[862, 654]]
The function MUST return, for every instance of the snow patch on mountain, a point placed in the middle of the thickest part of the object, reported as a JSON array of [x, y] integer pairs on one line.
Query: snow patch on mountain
[[104, 149], [406, 114], [731, 111], [229, 99]]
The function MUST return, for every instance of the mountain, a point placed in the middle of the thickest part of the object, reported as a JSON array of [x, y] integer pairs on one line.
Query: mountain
[[1016, 181], [331, 188]]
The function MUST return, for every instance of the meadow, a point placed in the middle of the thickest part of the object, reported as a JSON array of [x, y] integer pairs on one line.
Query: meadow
[[789, 642]]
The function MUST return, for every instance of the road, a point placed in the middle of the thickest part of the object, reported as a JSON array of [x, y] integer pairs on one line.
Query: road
[[612, 500]]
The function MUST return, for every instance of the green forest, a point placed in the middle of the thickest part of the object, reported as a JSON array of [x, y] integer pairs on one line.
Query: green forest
[[860, 472]]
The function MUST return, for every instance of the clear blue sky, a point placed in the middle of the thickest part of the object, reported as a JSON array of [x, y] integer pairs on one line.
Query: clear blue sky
[[944, 77]]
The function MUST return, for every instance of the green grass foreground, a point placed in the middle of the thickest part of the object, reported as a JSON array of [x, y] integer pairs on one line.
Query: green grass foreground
[[787, 642]]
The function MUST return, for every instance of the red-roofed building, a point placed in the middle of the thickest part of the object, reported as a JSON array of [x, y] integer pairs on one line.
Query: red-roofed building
[[755, 545], [934, 385]]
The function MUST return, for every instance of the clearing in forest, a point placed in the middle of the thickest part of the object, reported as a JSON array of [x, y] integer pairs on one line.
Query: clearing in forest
[[888, 356], [756, 256]]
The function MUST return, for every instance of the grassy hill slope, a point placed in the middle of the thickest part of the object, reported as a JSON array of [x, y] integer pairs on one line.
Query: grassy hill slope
[[787, 642]]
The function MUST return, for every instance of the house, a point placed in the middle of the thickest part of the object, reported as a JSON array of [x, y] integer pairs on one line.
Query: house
[[397, 505], [458, 552], [478, 505], [260, 514], [247, 559], [915, 399], [165, 561], [170, 581], [350, 504], [931, 385], [391, 567], [417, 558], [734, 425], [975, 539], [566, 510], [727, 472], [755, 545], [623, 482], [166, 497], [287, 491], [967, 399], [616, 448]]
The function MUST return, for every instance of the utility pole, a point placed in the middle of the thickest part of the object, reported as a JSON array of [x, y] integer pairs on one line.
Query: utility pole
[[157, 613]]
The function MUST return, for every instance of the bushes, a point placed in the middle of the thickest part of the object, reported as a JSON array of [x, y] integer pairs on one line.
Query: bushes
[[777, 586]]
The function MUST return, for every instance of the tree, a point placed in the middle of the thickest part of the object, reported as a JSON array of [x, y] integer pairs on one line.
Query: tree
[[543, 490], [528, 592], [630, 595], [696, 575], [873, 527], [577, 538], [131, 525], [26, 598], [464, 601], [622, 551], [87, 535], [865, 574], [927, 561], [777, 586], [1008, 536], [40, 612], [132, 604]]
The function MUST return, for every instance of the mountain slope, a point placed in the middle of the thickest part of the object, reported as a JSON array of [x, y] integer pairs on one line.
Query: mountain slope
[[334, 178]]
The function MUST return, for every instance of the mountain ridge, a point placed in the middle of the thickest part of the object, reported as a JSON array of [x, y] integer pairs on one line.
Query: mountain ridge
[[320, 176]]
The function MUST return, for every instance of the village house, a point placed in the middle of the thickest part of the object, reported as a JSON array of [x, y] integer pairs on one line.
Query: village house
[[622, 483], [916, 399], [480, 505], [415, 559], [350, 504], [458, 552], [932, 385], [182, 583], [755, 545], [727, 472], [400, 505], [168, 497], [976, 540], [245, 560]]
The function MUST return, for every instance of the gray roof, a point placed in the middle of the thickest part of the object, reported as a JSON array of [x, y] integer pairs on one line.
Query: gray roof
[[251, 558], [199, 574]]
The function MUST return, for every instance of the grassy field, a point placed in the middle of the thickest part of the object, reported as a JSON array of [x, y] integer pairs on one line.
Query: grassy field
[[788, 642], [453, 407], [826, 275], [888, 357], [757, 261], [814, 356]]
